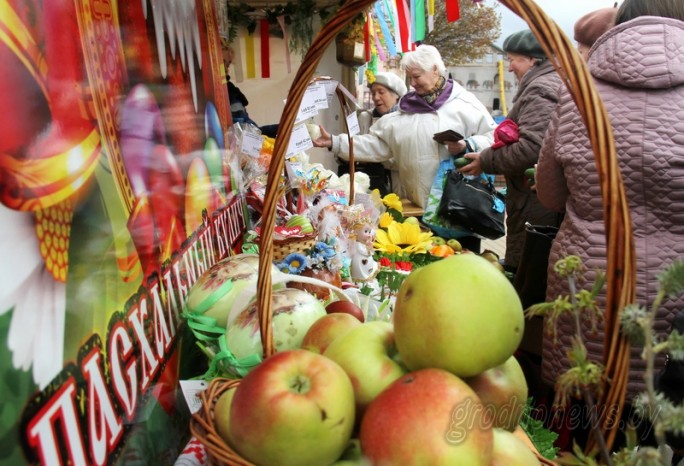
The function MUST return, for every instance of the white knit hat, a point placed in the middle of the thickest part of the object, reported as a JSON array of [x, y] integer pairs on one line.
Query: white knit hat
[[392, 82]]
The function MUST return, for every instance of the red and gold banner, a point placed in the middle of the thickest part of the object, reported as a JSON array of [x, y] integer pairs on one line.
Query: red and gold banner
[[115, 196]]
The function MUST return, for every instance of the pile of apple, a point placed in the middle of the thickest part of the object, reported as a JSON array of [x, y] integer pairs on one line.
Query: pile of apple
[[437, 386]]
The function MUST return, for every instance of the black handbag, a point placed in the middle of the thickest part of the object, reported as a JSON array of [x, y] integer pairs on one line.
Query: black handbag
[[530, 278], [474, 204]]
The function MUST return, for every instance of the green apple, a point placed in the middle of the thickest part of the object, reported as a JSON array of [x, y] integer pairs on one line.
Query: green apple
[[491, 256], [455, 245], [426, 417], [326, 329], [459, 314], [294, 409], [438, 240], [412, 220], [503, 392], [368, 355], [509, 450]]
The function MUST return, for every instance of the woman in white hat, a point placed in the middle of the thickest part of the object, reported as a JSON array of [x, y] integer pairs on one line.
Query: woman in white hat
[[386, 90]]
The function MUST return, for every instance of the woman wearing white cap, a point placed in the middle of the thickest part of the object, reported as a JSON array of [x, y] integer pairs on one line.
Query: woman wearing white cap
[[386, 90]]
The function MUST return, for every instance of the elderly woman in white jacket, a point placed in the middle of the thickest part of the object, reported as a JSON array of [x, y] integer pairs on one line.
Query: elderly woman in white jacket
[[436, 104]]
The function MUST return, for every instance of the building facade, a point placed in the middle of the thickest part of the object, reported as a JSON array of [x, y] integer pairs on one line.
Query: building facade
[[481, 77]]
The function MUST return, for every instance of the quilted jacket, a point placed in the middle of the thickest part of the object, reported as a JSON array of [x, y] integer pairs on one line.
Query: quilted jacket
[[535, 100], [639, 71], [406, 138]]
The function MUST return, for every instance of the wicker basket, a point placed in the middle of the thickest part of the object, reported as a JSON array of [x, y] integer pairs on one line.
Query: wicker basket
[[620, 273], [281, 249]]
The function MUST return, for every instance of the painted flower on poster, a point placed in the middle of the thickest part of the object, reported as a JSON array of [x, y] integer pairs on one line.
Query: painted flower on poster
[[36, 300]]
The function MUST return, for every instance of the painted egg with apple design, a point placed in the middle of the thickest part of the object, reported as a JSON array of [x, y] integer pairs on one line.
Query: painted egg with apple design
[[294, 311], [215, 292]]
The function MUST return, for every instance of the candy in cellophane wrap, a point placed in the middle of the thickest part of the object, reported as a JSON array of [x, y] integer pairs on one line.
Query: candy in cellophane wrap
[[254, 150], [255, 194], [306, 179]]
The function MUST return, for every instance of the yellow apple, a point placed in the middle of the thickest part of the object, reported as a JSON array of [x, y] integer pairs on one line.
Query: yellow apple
[[459, 314]]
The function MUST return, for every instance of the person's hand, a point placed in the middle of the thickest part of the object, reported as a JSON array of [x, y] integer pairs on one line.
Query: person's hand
[[324, 140], [473, 168], [455, 147]]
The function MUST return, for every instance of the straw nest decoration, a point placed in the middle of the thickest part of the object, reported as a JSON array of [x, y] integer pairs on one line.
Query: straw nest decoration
[[620, 273]]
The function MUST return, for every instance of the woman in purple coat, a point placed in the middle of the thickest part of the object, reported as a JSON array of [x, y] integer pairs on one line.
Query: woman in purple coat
[[638, 67]]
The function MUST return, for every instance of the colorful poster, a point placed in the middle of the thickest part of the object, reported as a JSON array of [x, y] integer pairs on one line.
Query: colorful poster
[[115, 195]]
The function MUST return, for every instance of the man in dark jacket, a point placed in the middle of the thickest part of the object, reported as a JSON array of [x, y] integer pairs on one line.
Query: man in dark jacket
[[534, 102], [238, 101]]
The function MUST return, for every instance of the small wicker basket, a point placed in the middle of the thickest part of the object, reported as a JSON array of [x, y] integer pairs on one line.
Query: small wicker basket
[[620, 273], [281, 249]]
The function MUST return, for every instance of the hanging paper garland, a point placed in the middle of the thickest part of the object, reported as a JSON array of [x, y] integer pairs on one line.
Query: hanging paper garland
[[265, 49], [452, 10], [431, 15], [382, 20], [419, 21], [286, 40], [250, 58], [366, 39], [402, 25]]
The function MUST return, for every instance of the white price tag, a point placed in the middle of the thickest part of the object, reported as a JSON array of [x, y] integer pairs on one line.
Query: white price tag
[[251, 144], [308, 108], [353, 124], [320, 97], [299, 141], [330, 88], [191, 390]]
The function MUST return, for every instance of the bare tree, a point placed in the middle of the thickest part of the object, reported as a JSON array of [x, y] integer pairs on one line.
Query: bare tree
[[468, 38]]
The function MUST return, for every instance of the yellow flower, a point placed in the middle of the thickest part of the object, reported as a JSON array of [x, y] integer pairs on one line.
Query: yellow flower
[[385, 220], [402, 238], [392, 201]]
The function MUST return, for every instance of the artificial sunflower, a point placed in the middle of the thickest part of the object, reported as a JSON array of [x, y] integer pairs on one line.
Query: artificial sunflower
[[403, 238], [385, 219], [392, 201]]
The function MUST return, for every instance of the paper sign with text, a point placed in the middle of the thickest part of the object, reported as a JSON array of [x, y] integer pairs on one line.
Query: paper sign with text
[[308, 107], [353, 124], [251, 144], [320, 97], [299, 141]]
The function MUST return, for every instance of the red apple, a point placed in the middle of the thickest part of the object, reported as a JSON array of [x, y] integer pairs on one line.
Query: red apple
[[346, 307], [459, 314], [368, 356], [430, 417], [509, 450], [295, 408], [326, 329], [503, 392]]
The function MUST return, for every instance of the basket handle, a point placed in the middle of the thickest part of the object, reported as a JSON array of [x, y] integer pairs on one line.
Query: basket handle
[[304, 74], [621, 261]]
